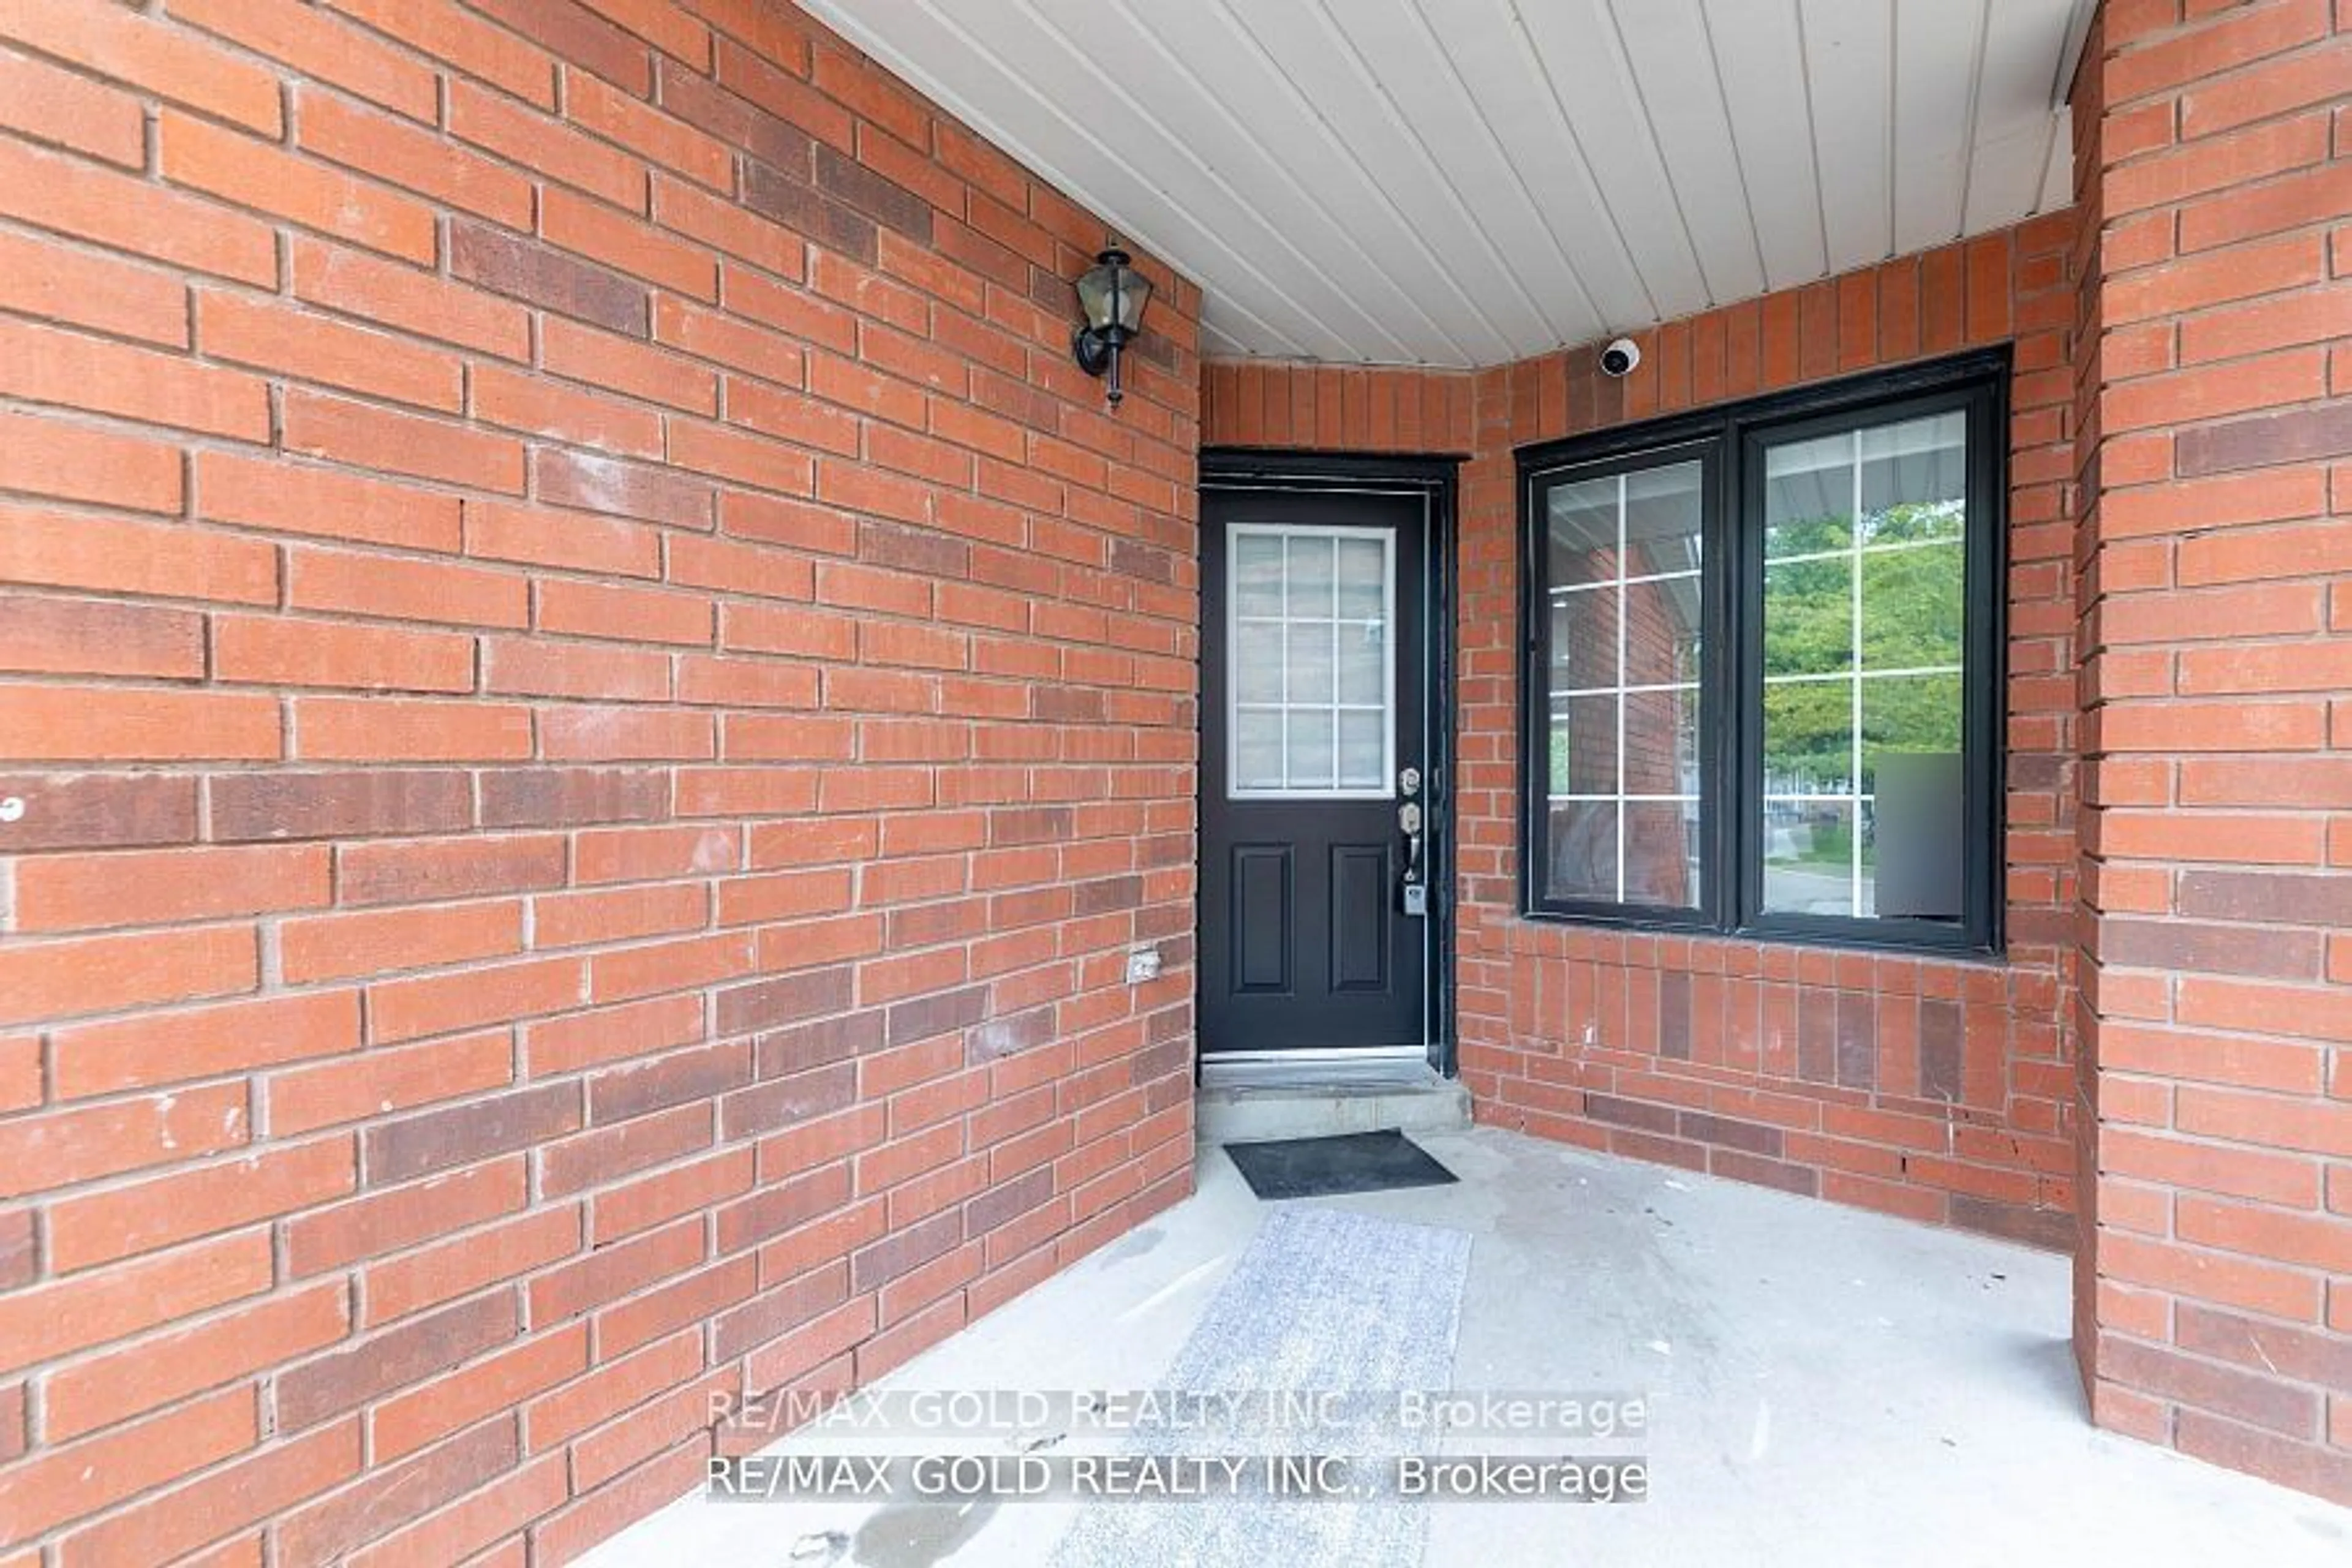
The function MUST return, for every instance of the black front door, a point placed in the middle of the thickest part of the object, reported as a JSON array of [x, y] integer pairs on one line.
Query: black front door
[[1315, 756]]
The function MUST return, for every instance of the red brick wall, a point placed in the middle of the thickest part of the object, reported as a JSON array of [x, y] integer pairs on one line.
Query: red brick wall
[[1930, 1088], [1336, 408], [2215, 162], [596, 705]]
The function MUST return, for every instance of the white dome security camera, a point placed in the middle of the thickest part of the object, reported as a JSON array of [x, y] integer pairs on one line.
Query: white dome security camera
[[1620, 357]]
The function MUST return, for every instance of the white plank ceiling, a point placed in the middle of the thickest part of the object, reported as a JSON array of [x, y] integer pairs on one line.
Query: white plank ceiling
[[1469, 181]]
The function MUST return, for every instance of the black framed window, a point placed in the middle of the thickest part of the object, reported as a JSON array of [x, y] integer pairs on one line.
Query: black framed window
[[1761, 689]]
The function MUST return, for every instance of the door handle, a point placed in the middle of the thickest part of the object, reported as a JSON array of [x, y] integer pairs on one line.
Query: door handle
[[1412, 896], [1409, 822]]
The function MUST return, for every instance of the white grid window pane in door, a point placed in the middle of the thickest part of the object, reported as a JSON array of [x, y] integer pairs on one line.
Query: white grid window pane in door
[[1311, 664]]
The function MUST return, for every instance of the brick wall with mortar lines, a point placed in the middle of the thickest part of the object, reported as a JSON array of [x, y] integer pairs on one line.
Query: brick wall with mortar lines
[[596, 705], [2214, 1287], [1930, 1088]]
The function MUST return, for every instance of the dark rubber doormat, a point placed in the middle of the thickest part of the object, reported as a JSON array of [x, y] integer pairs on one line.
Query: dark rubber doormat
[[1326, 1167]]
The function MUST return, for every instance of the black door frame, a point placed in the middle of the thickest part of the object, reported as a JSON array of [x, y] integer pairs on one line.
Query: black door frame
[[1434, 479]]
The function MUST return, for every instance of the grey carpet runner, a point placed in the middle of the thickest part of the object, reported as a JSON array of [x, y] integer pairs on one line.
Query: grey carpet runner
[[1323, 1301]]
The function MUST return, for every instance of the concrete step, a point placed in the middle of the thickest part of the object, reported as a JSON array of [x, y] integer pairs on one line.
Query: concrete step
[[1317, 1100]]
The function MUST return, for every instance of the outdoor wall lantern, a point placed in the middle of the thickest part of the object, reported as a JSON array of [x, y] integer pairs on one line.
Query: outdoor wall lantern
[[1113, 294]]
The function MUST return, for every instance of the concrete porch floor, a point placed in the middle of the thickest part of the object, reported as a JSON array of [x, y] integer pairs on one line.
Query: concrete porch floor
[[1829, 1386]]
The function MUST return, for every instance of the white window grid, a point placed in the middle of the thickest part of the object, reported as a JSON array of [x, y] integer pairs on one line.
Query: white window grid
[[1381, 788], [1857, 549], [1860, 799], [1620, 585]]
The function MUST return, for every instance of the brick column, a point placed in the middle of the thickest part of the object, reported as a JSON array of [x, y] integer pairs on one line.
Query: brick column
[[2215, 1308]]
